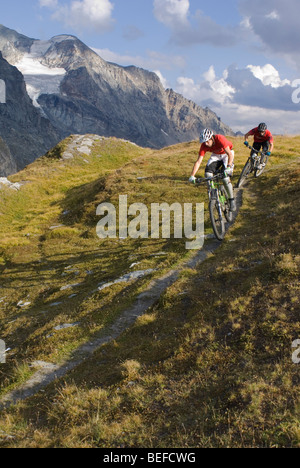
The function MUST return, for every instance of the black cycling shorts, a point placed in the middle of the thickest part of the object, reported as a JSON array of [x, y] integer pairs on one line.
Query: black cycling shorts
[[264, 146], [214, 167]]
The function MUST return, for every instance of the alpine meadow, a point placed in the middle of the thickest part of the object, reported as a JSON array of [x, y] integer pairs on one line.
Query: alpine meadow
[[149, 227], [206, 360]]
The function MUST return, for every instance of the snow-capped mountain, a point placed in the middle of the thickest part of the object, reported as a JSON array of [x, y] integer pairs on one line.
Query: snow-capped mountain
[[24, 133], [79, 92], [39, 78]]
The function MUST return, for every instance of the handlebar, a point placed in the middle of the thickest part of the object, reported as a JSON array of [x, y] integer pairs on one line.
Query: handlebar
[[219, 175], [255, 150]]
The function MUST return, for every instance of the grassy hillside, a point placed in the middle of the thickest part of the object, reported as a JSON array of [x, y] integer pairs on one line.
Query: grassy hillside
[[209, 365]]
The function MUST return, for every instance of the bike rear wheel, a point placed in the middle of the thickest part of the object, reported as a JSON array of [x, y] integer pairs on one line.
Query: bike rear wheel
[[217, 220], [244, 174]]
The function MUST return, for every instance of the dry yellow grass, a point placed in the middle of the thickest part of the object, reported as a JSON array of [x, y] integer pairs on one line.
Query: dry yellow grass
[[210, 365]]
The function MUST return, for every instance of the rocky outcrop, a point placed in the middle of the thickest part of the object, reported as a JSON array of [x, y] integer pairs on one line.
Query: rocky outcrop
[[24, 133], [13, 44], [127, 102], [7, 163]]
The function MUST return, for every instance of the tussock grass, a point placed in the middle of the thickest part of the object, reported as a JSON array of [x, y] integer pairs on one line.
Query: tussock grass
[[210, 365]]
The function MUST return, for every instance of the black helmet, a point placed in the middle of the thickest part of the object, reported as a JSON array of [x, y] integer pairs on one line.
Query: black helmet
[[262, 127]]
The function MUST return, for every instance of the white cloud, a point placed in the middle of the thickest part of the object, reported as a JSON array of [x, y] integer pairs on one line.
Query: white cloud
[[242, 118], [82, 14], [268, 75], [276, 24], [171, 12], [188, 88], [245, 97], [163, 80], [273, 15], [187, 29], [209, 90], [210, 75]]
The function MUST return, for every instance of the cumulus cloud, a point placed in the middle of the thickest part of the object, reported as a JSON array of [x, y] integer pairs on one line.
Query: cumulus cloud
[[163, 80], [240, 95], [276, 24], [204, 30], [251, 90], [209, 91], [187, 29], [172, 13], [242, 118], [268, 75], [81, 14]]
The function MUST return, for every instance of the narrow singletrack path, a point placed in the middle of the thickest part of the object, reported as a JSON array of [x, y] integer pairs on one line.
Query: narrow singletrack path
[[48, 372]]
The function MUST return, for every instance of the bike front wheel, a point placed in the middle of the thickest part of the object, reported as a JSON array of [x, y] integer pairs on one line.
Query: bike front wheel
[[226, 206], [257, 171], [244, 174], [217, 220]]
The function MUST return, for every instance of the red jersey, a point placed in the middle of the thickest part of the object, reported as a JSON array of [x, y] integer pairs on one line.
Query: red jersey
[[258, 138], [218, 147]]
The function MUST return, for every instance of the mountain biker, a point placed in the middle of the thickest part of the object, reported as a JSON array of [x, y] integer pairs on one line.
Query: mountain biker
[[263, 139], [222, 157]]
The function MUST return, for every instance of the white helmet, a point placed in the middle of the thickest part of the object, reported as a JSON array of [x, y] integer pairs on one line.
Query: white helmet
[[206, 135]]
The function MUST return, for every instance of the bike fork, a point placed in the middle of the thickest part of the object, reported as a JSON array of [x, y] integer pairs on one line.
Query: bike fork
[[219, 208]]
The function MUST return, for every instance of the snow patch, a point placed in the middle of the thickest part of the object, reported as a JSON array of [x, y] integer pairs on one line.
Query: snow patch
[[31, 65], [40, 78]]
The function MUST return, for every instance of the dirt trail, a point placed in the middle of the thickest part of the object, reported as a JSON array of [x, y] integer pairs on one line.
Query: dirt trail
[[48, 372]]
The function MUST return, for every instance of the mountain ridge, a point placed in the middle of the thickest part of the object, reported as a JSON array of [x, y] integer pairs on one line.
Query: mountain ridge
[[78, 92], [25, 133]]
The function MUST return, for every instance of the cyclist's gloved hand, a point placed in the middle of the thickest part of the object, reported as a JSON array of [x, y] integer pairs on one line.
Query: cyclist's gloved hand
[[246, 143], [192, 179], [268, 153]]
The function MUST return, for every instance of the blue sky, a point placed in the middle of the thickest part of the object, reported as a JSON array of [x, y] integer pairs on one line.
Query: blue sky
[[239, 57]]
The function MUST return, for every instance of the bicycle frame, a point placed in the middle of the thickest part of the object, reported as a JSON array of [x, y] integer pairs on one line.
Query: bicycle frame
[[258, 155], [218, 204], [253, 164], [215, 185], [255, 150]]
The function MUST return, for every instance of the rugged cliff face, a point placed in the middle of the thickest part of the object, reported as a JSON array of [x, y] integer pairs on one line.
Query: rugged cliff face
[[25, 132], [127, 102], [13, 44], [73, 90], [7, 163]]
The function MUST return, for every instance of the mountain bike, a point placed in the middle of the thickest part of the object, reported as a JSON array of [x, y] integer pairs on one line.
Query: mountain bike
[[219, 206], [256, 163]]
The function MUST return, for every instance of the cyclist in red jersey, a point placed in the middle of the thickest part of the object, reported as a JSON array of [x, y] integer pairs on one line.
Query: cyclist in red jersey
[[263, 139], [222, 157]]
